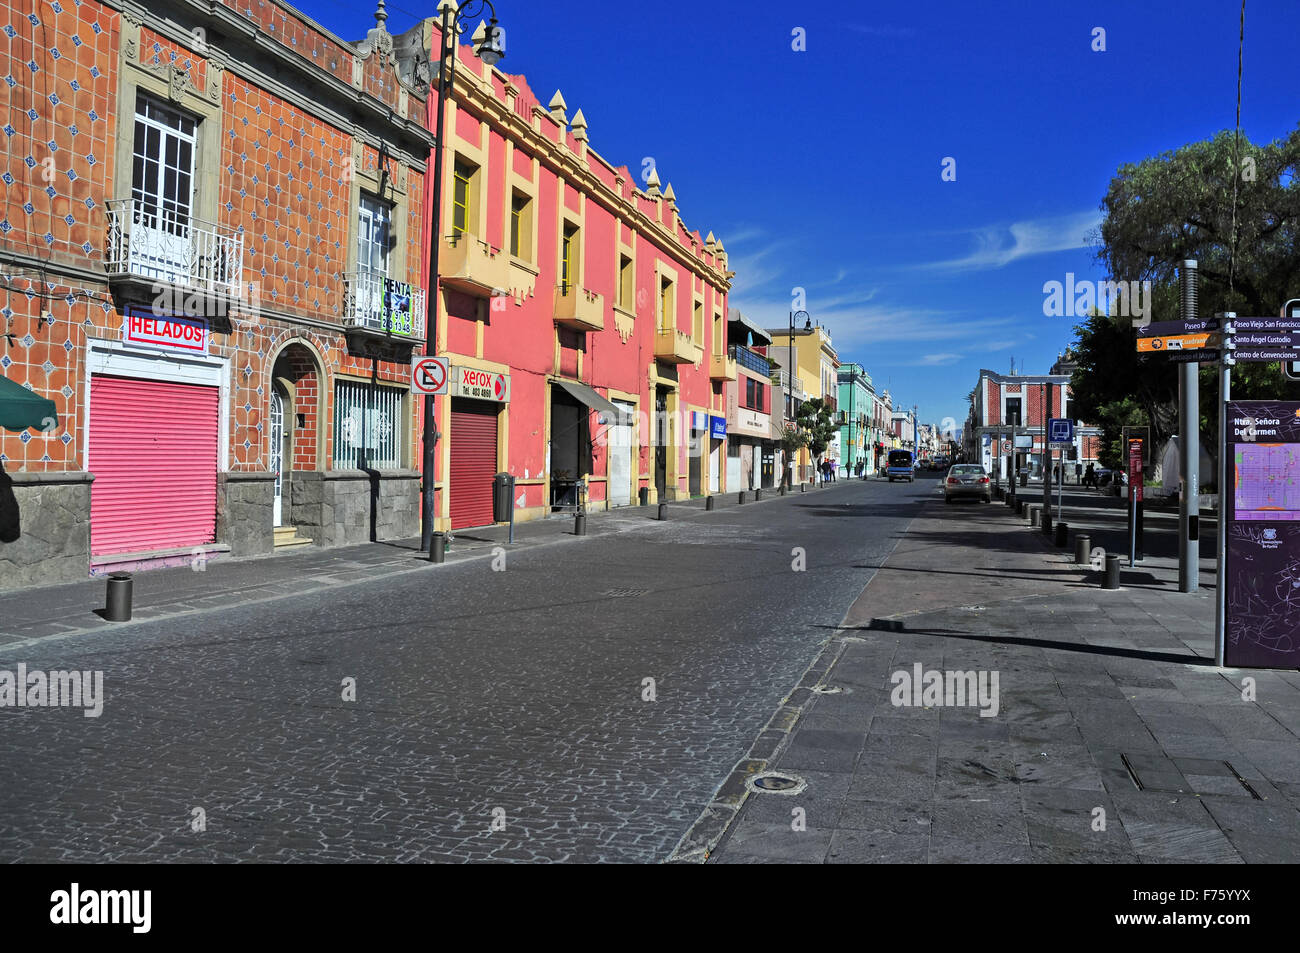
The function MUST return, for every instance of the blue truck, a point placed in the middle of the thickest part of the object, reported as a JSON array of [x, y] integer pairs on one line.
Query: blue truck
[[900, 466]]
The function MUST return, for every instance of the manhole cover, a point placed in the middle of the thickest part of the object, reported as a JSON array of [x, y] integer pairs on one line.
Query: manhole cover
[[827, 690], [625, 593], [771, 782]]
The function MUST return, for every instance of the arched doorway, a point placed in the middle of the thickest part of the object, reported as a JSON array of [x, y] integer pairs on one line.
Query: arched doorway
[[294, 441]]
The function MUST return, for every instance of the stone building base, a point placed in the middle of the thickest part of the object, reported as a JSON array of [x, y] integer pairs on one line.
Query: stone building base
[[346, 507], [54, 519]]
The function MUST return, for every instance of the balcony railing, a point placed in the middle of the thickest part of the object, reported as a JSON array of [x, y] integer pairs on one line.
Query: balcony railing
[[722, 367], [373, 302], [750, 360], [579, 308], [779, 376], [675, 347], [158, 245], [474, 266]]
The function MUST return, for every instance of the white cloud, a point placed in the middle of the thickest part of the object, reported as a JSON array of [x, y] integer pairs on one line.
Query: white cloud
[[999, 245], [936, 360]]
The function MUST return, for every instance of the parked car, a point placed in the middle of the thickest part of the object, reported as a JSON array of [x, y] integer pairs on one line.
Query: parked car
[[967, 480], [1104, 476]]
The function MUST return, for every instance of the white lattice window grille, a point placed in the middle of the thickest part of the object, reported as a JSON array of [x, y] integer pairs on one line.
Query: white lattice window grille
[[368, 426]]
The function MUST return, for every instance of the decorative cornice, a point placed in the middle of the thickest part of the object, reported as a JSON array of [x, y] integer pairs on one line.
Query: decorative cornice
[[473, 93]]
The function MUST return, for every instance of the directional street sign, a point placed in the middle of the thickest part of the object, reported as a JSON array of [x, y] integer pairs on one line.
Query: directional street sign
[[1177, 342], [1166, 328], [1203, 355], [1264, 354], [428, 374]]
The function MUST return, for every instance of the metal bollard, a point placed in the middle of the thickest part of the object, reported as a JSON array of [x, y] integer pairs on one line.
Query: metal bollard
[[117, 603], [580, 523], [1033, 515], [783, 489], [742, 496], [663, 511], [438, 548], [1062, 535], [1112, 571], [708, 502], [1045, 522], [1082, 549], [803, 487], [758, 494], [1020, 506]]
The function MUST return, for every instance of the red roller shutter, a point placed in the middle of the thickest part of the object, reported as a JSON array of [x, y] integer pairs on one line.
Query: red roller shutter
[[153, 451], [473, 461]]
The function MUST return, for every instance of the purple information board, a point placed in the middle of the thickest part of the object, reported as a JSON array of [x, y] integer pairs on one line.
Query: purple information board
[[1263, 543]]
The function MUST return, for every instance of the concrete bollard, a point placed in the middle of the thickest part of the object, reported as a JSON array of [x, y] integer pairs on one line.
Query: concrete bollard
[[663, 511], [1082, 549], [708, 502], [438, 548], [742, 497], [1033, 515], [117, 601], [1062, 535], [1112, 571]]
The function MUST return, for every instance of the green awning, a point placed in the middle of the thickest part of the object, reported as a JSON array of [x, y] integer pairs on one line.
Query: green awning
[[21, 409]]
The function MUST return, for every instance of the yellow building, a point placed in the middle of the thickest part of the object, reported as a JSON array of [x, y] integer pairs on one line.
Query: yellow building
[[816, 367]]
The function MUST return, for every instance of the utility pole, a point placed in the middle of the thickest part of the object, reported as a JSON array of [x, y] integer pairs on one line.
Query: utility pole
[[1189, 445], [1047, 454]]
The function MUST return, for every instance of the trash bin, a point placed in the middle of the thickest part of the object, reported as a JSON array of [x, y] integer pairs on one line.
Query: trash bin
[[503, 497]]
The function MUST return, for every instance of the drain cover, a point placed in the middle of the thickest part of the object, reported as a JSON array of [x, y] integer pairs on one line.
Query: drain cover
[[625, 593], [770, 782], [826, 690]]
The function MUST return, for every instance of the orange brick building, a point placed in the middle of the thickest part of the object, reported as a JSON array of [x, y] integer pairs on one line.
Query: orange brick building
[[210, 259]]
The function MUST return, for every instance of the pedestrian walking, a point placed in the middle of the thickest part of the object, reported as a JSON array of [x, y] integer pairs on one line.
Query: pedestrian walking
[[1090, 477], [9, 519]]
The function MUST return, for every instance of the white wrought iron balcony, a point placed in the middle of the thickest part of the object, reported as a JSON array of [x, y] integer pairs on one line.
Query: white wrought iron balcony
[[374, 302], [148, 242]]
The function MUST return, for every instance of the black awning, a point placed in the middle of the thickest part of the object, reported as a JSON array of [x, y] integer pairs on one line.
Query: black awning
[[585, 395]]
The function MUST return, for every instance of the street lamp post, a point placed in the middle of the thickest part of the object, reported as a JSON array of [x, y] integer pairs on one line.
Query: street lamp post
[[490, 51], [789, 384]]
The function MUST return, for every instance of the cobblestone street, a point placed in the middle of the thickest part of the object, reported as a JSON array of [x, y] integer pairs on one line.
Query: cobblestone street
[[517, 692]]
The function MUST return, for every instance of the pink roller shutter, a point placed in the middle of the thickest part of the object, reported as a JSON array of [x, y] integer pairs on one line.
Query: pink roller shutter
[[153, 451], [473, 462]]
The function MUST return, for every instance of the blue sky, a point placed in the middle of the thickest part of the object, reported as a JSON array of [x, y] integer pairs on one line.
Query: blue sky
[[821, 169]]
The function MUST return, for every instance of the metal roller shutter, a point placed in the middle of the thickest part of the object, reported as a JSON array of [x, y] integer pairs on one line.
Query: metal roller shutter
[[473, 462], [153, 451]]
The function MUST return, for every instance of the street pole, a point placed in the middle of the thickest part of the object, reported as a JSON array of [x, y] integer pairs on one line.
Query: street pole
[[1189, 443], [1046, 454], [789, 397], [431, 306], [1221, 536]]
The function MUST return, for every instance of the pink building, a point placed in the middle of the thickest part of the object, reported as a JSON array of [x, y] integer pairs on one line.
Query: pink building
[[584, 322]]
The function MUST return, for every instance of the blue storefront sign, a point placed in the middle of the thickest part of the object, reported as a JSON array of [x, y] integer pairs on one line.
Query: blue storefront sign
[[718, 428]]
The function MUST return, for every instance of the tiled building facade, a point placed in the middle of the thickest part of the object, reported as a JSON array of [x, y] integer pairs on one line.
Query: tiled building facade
[[210, 259]]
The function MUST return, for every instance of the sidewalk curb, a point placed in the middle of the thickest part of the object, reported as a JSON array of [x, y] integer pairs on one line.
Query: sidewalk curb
[[711, 827]]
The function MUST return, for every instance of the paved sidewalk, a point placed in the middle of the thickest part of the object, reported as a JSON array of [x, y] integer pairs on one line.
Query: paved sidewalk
[[71, 609], [1109, 710]]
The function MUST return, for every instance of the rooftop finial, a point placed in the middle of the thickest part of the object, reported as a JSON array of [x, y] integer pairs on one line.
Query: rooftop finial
[[381, 14]]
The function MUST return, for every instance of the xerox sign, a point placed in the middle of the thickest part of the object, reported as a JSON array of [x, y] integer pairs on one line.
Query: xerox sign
[[480, 384]]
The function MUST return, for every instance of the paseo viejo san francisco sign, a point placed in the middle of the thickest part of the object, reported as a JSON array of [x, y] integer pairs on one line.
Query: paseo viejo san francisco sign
[[1262, 619]]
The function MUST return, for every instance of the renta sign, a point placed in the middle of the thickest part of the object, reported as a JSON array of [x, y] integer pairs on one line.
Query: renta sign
[[166, 331], [480, 384]]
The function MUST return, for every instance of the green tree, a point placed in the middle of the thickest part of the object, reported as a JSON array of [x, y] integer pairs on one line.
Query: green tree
[[816, 424], [1180, 205]]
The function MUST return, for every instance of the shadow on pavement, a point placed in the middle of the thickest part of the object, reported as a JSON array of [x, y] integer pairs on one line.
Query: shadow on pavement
[[899, 625]]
